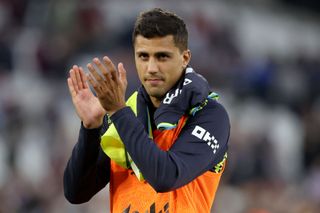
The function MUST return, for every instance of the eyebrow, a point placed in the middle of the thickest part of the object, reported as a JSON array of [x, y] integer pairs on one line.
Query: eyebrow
[[156, 54]]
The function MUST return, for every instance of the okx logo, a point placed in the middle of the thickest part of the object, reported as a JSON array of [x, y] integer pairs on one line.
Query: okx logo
[[152, 209], [204, 135]]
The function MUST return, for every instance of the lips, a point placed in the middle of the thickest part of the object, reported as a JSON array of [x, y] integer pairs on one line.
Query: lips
[[154, 81]]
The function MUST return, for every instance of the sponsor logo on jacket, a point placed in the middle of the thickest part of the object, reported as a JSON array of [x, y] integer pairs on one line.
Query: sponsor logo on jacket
[[204, 135], [151, 210]]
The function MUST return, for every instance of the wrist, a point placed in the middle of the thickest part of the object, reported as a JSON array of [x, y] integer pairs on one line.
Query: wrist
[[92, 124], [110, 113]]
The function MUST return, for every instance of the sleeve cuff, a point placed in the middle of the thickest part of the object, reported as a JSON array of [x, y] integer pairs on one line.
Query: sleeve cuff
[[92, 131], [90, 135], [120, 113]]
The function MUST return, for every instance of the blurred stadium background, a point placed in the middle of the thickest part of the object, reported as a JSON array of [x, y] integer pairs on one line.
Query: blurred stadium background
[[261, 56]]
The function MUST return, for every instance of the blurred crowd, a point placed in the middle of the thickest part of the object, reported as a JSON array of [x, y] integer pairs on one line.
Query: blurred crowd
[[273, 101]]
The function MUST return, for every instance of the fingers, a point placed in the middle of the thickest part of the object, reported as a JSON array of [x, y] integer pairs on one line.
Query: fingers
[[95, 79], [83, 78], [95, 74], [107, 69], [112, 69], [102, 76], [102, 68], [74, 80], [78, 77], [97, 88], [108, 80], [122, 74], [71, 87]]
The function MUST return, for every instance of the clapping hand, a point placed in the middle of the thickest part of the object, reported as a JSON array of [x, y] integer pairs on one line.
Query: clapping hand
[[109, 84], [86, 104]]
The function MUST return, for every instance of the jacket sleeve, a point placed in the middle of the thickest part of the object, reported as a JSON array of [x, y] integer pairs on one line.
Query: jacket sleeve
[[200, 146], [88, 169]]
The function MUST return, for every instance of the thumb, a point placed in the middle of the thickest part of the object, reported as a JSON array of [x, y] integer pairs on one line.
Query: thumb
[[122, 74]]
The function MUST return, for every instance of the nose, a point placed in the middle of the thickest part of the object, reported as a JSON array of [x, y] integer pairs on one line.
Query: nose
[[152, 66]]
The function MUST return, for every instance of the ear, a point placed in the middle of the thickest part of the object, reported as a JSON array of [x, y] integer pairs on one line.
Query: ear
[[186, 56]]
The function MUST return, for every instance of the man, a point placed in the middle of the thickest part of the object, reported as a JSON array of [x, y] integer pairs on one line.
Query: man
[[163, 150]]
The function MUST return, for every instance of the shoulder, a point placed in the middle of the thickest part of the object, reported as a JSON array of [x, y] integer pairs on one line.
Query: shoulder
[[212, 112], [209, 124], [215, 105]]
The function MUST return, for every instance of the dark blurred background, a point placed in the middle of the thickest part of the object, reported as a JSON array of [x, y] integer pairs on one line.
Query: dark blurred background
[[261, 56]]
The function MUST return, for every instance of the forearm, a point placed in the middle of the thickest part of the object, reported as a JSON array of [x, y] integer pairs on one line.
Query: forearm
[[187, 158], [151, 160], [88, 168]]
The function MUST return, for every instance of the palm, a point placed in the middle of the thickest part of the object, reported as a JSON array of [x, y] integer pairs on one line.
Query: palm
[[86, 104]]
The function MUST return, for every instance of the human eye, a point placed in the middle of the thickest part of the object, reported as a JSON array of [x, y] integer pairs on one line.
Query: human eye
[[143, 56], [163, 56]]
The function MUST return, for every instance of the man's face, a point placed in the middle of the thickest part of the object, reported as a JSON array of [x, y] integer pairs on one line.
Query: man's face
[[159, 64]]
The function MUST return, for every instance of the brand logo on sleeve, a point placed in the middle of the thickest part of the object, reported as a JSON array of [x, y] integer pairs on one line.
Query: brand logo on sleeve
[[204, 135]]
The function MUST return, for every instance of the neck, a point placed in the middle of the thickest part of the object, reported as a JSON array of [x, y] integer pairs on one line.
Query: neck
[[155, 101]]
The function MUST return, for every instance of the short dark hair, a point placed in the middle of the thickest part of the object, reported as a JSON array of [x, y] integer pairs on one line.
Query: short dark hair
[[159, 23]]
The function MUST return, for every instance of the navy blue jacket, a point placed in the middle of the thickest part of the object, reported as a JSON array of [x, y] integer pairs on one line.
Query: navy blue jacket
[[201, 145]]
